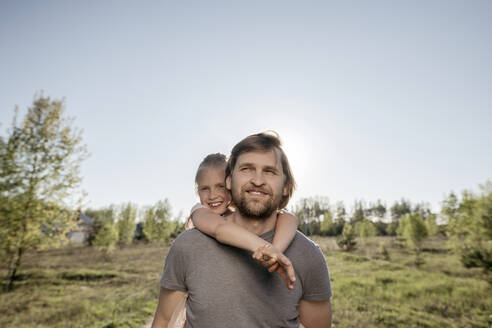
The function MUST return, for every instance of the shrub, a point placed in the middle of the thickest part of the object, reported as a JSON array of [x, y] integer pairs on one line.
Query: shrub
[[470, 229], [346, 241], [106, 238], [384, 252]]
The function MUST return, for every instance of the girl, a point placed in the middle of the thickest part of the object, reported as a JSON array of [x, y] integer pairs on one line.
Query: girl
[[207, 217]]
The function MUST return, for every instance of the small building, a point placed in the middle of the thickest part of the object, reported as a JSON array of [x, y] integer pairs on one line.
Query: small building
[[81, 235]]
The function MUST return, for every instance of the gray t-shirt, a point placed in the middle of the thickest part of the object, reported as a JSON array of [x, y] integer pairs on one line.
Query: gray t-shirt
[[228, 288]]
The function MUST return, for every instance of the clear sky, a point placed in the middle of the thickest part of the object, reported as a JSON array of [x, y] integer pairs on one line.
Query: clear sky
[[373, 99]]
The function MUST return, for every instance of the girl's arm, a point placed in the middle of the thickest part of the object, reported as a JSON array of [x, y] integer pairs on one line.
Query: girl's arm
[[285, 230], [189, 223], [233, 234], [224, 231]]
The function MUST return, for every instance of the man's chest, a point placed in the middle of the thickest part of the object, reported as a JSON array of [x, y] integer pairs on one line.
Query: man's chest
[[227, 282]]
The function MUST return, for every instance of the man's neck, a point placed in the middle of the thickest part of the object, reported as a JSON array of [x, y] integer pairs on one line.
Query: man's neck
[[254, 225]]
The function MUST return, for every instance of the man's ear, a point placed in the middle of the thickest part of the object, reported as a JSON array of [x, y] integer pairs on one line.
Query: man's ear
[[228, 182], [285, 192]]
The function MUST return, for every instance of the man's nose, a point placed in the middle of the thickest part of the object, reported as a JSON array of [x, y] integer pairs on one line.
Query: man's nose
[[257, 179]]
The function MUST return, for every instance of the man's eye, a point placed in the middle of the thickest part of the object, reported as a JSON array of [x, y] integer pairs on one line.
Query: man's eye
[[270, 172], [221, 187], [244, 169]]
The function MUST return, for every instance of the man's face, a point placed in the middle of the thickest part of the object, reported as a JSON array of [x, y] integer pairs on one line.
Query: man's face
[[211, 189], [257, 184]]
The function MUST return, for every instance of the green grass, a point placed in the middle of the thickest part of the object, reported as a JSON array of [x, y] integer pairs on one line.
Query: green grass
[[371, 292], [78, 287]]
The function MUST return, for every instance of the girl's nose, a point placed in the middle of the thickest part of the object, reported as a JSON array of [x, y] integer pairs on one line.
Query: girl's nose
[[213, 194]]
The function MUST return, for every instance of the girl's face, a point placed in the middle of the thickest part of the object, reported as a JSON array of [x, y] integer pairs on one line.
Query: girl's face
[[212, 190]]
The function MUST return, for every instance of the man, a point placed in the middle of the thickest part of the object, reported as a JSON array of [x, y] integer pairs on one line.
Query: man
[[227, 288]]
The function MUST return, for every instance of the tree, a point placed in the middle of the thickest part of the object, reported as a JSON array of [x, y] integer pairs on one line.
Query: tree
[[309, 211], [39, 173], [470, 230], [397, 211], [450, 207], [99, 218], [346, 240], [106, 238], [378, 210], [365, 229], [359, 212], [340, 212], [400, 209], [413, 228], [431, 224], [158, 225], [430, 219], [327, 225], [126, 224], [381, 227], [340, 217]]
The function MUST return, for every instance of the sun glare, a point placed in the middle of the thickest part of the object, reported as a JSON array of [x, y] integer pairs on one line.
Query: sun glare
[[298, 151]]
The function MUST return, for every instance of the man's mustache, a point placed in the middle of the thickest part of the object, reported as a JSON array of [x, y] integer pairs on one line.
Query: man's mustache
[[250, 187]]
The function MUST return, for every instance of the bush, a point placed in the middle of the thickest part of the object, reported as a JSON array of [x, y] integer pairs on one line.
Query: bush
[[475, 258], [384, 252], [106, 238], [413, 228], [365, 229], [346, 241], [99, 218], [470, 229]]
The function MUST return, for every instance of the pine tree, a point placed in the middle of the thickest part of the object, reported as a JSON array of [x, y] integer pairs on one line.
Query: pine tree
[[126, 224], [346, 240]]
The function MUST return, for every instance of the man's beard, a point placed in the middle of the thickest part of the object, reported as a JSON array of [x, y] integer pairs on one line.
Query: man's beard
[[255, 209]]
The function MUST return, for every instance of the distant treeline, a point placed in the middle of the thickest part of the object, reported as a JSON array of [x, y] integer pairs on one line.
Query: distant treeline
[[318, 217], [118, 223], [106, 227], [465, 219]]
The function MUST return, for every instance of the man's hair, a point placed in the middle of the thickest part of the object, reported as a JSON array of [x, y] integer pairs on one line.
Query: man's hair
[[217, 160], [264, 142]]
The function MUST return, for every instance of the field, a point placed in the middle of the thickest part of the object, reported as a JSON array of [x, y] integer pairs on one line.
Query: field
[[370, 291], [79, 287]]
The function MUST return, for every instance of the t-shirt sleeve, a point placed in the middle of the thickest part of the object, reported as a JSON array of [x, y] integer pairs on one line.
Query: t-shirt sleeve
[[316, 285], [174, 273]]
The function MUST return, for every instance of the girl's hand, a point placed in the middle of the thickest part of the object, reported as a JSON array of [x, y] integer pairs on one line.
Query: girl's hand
[[263, 257], [272, 259]]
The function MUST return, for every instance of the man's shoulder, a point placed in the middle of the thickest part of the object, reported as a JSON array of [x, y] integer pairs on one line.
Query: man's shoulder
[[301, 240], [303, 248], [310, 264], [189, 235], [189, 239]]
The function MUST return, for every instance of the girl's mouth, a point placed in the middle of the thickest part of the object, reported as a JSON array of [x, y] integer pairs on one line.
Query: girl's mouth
[[214, 204]]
